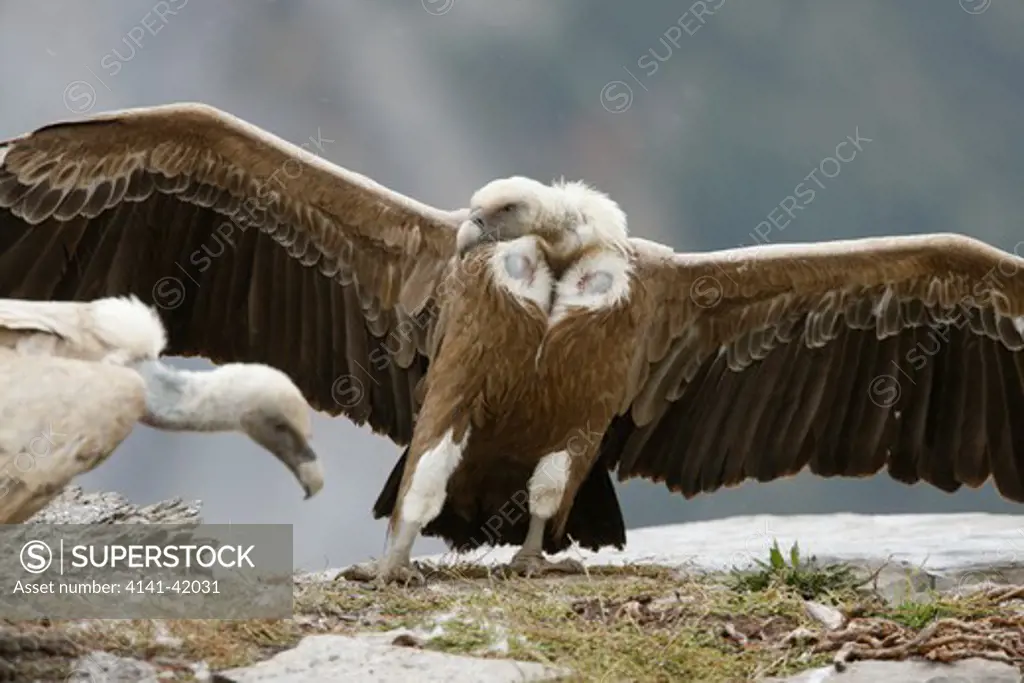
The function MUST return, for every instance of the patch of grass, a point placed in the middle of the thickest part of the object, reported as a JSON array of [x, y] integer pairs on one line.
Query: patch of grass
[[649, 631], [462, 637], [227, 644], [916, 614], [807, 577], [617, 623]]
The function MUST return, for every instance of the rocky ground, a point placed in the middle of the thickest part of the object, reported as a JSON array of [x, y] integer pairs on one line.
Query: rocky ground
[[649, 614]]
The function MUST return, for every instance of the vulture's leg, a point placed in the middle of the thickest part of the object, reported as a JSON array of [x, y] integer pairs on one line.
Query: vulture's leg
[[422, 502], [547, 490], [397, 563]]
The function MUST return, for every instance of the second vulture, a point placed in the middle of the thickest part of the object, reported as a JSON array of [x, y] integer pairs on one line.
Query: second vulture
[[75, 378], [526, 348]]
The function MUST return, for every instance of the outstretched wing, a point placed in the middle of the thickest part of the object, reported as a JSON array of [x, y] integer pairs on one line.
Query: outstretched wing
[[844, 357], [254, 249]]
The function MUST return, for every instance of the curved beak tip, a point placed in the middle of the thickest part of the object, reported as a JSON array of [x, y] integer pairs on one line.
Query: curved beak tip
[[469, 234], [311, 476]]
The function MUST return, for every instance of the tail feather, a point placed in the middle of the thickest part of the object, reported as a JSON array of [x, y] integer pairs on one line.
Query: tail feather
[[388, 496]]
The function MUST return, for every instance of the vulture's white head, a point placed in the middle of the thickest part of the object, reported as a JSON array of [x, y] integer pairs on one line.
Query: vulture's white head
[[569, 215], [257, 400], [271, 411]]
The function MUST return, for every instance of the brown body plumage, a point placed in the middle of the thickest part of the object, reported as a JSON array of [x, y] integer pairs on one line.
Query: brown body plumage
[[523, 390], [846, 358]]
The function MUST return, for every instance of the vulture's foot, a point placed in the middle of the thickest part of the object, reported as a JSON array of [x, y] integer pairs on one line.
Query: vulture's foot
[[381, 574], [405, 574], [537, 565]]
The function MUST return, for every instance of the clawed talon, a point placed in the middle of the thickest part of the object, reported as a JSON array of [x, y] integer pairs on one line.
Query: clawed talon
[[537, 565], [358, 572], [403, 574], [380, 576]]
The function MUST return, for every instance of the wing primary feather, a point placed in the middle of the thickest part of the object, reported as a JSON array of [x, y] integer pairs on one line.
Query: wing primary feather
[[970, 464], [756, 388], [671, 459], [634, 459], [870, 441], [42, 275], [930, 466], [766, 445], [305, 352], [259, 299], [127, 254], [1005, 441], [789, 443], [708, 449], [237, 276], [945, 409], [836, 403], [283, 285], [851, 457], [356, 347], [323, 341], [79, 244], [912, 450]]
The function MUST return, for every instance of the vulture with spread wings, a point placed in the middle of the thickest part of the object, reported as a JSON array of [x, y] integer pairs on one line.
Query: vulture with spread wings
[[525, 348]]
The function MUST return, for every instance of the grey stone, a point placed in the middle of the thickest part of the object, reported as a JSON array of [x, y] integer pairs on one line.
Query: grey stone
[[829, 617], [900, 582], [333, 658], [980, 577], [75, 506], [103, 666], [911, 671]]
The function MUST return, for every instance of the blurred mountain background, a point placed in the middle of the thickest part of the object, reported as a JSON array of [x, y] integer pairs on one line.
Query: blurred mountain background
[[699, 118]]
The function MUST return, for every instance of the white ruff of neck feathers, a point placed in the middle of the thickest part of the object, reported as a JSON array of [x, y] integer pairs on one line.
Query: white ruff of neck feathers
[[596, 218]]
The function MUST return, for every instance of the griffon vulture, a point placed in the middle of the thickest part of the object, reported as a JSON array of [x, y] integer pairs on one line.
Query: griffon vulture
[[76, 377], [525, 348]]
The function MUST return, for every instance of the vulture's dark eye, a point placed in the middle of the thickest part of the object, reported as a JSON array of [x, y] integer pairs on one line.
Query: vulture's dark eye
[[506, 208]]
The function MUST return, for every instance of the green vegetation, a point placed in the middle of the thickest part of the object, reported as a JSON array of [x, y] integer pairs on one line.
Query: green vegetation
[[809, 579]]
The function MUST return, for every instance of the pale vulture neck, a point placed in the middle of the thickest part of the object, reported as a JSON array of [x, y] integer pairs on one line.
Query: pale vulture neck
[[183, 400]]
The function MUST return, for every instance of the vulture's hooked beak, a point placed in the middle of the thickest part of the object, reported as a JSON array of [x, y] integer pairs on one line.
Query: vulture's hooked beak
[[472, 232], [306, 468]]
